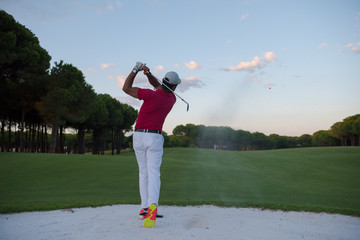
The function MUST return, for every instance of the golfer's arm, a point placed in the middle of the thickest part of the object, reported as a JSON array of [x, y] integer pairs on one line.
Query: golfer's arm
[[128, 88], [153, 81]]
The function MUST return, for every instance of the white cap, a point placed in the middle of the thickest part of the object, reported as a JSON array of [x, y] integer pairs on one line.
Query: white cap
[[172, 78]]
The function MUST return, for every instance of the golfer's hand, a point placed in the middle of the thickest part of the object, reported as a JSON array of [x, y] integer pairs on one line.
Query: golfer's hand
[[146, 70], [138, 67]]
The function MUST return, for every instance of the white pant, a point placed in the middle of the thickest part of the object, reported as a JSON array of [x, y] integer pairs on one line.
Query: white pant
[[149, 150]]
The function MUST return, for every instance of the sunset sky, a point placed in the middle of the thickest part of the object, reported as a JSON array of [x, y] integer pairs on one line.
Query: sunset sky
[[284, 66]]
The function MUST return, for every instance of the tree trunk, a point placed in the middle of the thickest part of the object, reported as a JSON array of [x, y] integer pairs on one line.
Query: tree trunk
[[37, 138], [9, 137], [118, 142], [46, 147], [61, 150], [81, 140], [103, 145], [352, 139], [113, 141], [42, 141], [94, 146], [2, 135], [26, 140], [22, 130], [17, 139], [54, 139]]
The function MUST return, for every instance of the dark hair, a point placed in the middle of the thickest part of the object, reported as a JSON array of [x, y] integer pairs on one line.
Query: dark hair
[[168, 85]]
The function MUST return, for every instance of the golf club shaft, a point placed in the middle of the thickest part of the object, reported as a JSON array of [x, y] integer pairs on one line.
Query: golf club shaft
[[187, 109]]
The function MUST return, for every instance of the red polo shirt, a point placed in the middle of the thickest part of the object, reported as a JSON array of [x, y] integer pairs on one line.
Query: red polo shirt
[[157, 104]]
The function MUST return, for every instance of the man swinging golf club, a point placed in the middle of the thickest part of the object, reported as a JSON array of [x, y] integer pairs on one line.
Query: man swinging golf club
[[147, 139]]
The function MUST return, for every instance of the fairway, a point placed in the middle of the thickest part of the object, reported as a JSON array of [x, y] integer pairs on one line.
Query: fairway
[[308, 179]]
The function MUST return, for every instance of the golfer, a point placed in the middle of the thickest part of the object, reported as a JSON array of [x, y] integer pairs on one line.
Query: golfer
[[147, 139]]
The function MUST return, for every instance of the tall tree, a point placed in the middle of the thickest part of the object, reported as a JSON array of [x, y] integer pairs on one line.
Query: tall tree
[[24, 67], [337, 130], [68, 100], [324, 138], [129, 116], [351, 127], [97, 121], [356, 128]]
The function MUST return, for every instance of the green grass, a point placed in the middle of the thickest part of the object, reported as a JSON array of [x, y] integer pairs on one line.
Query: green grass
[[303, 179]]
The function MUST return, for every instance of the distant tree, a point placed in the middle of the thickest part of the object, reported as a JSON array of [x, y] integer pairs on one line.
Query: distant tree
[[79, 112], [116, 119], [351, 127], [243, 140], [207, 137], [226, 137], [305, 140], [110, 120], [323, 138], [97, 122], [182, 133], [279, 141], [260, 141], [356, 128], [166, 139], [338, 131], [129, 116], [174, 141], [348, 130]]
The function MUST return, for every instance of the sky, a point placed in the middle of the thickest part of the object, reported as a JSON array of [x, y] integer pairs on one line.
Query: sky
[[273, 66]]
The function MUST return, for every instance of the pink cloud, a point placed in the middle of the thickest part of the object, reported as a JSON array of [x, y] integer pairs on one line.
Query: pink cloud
[[107, 65], [255, 63], [270, 56], [192, 65]]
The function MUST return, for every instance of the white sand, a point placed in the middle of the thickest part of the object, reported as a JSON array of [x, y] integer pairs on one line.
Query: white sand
[[200, 222]]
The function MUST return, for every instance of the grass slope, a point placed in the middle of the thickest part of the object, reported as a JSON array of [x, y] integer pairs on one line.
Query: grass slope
[[304, 179]]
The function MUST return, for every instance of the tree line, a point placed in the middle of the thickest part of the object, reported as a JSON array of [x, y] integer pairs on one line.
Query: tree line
[[36, 100], [345, 133]]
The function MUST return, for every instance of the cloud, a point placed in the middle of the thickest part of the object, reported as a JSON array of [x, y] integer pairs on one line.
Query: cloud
[[323, 45], [270, 56], [254, 64], [354, 47], [105, 7], [159, 69], [356, 50], [191, 82], [120, 80], [91, 70], [192, 65], [244, 16], [107, 65]]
